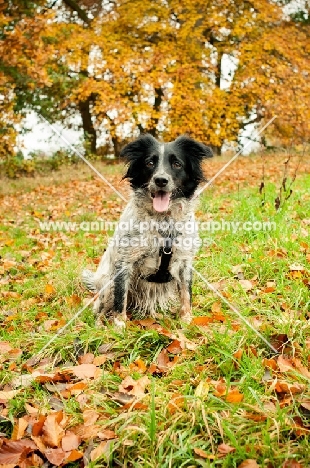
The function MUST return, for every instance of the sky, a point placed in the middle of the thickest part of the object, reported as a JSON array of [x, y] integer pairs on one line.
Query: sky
[[41, 137]]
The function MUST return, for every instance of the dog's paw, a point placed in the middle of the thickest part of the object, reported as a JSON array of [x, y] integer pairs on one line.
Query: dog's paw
[[119, 323], [187, 318]]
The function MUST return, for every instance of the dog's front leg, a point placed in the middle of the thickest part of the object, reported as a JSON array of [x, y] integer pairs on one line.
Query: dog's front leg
[[185, 288], [121, 285]]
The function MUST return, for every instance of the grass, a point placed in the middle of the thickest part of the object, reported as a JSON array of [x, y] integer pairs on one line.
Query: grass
[[195, 406]]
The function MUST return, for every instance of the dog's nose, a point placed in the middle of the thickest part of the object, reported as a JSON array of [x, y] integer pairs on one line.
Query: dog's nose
[[161, 181]]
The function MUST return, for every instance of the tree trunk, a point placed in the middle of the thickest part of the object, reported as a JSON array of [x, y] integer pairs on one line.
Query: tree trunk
[[117, 146], [154, 120], [88, 126], [216, 150]]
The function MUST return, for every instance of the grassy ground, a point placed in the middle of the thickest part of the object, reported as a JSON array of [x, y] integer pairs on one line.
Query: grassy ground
[[208, 394]]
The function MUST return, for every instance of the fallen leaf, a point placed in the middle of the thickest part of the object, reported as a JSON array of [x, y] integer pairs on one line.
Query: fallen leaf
[[12, 452], [102, 449], [55, 456], [74, 455], [202, 389], [99, 360], [8, 395], [279, 341], [238, 354], [19, 429], [77, 388], [291, 464], [271, 363], [138, 366], [267, 377], [224, 449], [31, 409], [136, 405], [216, 307], [201, 321], [5, 347], [107, 434], [85, 432], [56, 377], [249, 463], [163, 361], [301, 368], [49, 289], [53, 324], [7, 264], [12, 294], [269, 289], [35, 460], [220, 388], [12, 366], [201, 453], [52, 431], [246, 284], [70, 441], [284, 364], [153, 368], [123, 398], [73, 300], [296, 267], [236, 269], [56, 403], [87, 358], [175, 347], [104, 348], [134, 387], [177, 402], [86, 371], [305, 404], [38, 426], [90, 416], [255, 417], [145, 322], [285, 387], [234, 396]]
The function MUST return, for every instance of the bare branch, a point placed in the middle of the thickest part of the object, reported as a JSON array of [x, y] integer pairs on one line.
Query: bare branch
[[72, 4]]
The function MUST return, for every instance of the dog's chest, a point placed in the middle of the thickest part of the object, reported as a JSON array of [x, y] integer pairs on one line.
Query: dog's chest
[[141, 237]]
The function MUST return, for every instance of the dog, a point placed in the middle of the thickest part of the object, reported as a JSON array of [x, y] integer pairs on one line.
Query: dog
[[148, 262]]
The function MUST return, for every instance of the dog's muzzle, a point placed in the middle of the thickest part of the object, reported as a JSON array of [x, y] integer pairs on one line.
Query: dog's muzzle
[[161, 188]]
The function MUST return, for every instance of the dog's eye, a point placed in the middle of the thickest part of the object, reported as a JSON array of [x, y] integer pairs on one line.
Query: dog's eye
[[176, 165], [150, 164]]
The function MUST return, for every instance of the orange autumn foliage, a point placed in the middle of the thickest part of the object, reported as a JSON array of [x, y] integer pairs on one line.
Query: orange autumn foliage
[[156, 66]]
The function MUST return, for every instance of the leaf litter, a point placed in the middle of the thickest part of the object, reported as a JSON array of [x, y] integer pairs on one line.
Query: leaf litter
[[42, 434]]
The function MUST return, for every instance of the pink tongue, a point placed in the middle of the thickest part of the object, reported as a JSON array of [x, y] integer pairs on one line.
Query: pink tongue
[[161, 201]]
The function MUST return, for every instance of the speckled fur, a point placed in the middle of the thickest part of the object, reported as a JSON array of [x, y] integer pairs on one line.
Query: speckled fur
[[143, 296], [132, 263]]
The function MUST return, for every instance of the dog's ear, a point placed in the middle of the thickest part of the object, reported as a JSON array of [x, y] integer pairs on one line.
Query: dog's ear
[[194, 148], [194, 152], [138, 148], [134, 153]]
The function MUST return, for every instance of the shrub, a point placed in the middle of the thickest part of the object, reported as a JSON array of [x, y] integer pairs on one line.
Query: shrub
[[37, 163]]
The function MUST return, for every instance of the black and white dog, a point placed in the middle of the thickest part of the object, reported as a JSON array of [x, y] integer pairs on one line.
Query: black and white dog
[[147, 264]]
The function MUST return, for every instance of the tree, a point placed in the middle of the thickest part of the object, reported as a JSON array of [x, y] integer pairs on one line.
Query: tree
[[22, 59], [144, 66]]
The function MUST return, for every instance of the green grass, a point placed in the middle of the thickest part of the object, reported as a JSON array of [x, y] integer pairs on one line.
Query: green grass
[[262, 426]]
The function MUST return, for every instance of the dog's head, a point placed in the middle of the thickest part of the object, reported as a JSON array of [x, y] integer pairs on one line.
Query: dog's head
[[165, 171]]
